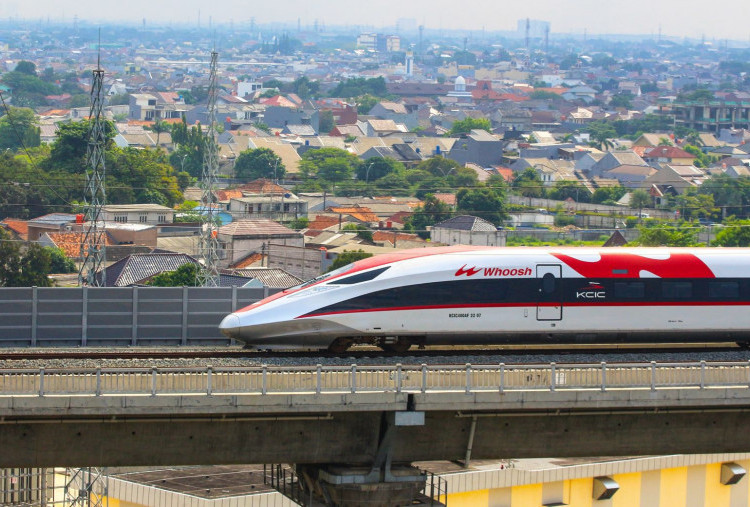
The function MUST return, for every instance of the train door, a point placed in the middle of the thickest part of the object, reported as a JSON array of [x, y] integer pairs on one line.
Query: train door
[[549, 302]]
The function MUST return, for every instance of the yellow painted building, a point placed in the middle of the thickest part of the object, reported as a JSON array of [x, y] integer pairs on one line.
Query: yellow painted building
[[663, 481]]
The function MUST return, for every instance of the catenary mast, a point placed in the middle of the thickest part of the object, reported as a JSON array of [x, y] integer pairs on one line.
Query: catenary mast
[[208, 276], [93, 249]]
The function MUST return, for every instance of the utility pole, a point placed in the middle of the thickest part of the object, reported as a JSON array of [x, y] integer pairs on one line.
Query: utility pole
[[208, 276], [93, 246]]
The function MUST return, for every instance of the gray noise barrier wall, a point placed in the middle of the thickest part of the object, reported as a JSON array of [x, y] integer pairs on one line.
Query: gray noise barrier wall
[[119, 316]]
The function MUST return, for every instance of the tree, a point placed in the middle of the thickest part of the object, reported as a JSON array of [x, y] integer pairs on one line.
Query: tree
[[734, 233], [601, 133], [259, 163], [362, 232], [377, 167], [439, 166], [59, 262], [159, 127], [528, 183], [26, 67], [605, 195], [468, 124], [622, 100], [184, 276], [347, 257], [365, 103], [326, 121], [330, 164], [665, 235], [19, 128], [18, 269], [640, 199], [484, 203], [431, 212], [569, 189]]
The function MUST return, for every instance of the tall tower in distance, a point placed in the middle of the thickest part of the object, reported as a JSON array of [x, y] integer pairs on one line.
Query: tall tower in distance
[[409, 63]]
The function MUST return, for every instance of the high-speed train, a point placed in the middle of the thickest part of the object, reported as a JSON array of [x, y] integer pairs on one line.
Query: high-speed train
[[475, 295]]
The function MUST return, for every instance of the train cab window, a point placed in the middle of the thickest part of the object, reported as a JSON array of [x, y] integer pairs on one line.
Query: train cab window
[[548, 283], [359, 277], [630, 290], [676, 290], [723, 290]]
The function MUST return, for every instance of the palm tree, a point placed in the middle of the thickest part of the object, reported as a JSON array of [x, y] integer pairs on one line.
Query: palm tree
[[159, 126], [694, 138]]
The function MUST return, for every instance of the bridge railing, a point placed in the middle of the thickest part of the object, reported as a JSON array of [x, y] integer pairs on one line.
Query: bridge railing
[[467, 378]]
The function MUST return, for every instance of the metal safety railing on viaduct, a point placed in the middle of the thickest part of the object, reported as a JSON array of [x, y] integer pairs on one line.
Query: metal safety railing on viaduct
[[326, 414]]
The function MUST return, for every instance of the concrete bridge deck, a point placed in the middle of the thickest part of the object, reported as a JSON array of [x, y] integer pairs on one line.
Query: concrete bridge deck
[[321, 414]]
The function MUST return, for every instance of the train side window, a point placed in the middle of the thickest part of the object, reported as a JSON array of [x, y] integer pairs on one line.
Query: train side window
[[723, 290], [630, 290], [548, 283], [676, 290]]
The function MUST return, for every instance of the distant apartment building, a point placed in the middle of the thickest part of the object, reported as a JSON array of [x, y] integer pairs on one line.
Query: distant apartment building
[[156, 106], [379, 42], [711, 115]]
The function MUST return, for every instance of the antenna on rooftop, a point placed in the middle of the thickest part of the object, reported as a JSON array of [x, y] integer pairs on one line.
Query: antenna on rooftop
[[93, 247], [208, 276]]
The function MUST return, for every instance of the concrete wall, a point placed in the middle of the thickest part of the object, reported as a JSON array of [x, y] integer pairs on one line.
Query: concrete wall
[[38, 317], [459, 237]]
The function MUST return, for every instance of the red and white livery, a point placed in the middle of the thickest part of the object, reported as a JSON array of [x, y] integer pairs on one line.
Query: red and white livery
[[473, 295]]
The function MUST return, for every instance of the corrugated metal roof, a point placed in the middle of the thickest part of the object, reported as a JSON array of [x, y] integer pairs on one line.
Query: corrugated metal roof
[[275, 278], [260, 227], [135, 268], [467, 223]]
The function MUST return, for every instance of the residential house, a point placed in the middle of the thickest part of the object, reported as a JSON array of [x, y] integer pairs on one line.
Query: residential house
[[401, 152], [614, 159], [479, 147], [156, 106], [271, 277], [246, 236], [668, 155], [395, 111], [138, 214], [381, 128], [631, 176], [302, 262], [467, 230], [138, 269], [651, 140], [19, 229], [357, 214], [680, 177], [53, 222], [277, 117], [284, 207]]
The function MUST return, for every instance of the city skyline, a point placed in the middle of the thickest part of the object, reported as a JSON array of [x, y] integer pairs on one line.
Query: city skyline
[[640, 17]]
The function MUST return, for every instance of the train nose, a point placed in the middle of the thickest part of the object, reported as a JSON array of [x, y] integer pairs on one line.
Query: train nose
[[230, 326]]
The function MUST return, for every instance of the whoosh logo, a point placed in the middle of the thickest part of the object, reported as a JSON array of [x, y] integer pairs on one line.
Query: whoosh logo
[[493, 272]]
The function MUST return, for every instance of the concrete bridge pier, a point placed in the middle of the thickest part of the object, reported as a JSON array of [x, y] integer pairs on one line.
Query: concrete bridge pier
[[383, 484]]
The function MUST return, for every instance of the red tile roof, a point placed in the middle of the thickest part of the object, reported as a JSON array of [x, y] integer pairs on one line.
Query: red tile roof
[[667, 152], [70, 242], [225, 195], [389, 236], [323, 222], [449, 199], [399, 217], [360, 213], [19, 227], [262, 186]]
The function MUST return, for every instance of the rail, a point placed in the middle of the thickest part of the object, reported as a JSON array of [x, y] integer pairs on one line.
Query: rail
[[265, 380]]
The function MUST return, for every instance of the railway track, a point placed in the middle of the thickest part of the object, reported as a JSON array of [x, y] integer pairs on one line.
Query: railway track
[[611, 353]]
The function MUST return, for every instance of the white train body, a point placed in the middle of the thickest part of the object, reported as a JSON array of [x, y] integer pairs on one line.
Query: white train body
[[464, 295]]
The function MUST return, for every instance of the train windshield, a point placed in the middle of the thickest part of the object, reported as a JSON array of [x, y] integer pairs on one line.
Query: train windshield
[[324, 276]]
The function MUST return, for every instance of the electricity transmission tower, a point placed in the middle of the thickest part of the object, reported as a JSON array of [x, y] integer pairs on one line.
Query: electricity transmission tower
[[208, 276], [93, 245]]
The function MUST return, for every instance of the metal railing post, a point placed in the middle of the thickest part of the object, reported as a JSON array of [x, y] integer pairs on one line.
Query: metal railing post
[[41, 381], [399, 377], [153, 381], [703, 374], [98, 381], [354, 379], [653, 375], [424, 377], [264, 386], [604, 376], [209, 387], [34, 314], [318, 378], [468, 378], [552, 377], [502, 378]]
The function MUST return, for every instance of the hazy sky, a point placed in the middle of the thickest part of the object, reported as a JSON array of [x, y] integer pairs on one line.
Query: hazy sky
[[719, 19]]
